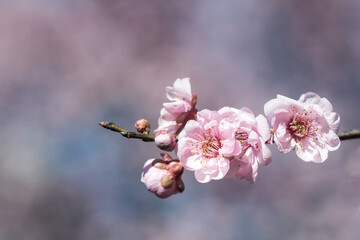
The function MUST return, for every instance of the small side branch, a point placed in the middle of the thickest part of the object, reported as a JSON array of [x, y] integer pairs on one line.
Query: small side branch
[[126, 133], [352, 134]]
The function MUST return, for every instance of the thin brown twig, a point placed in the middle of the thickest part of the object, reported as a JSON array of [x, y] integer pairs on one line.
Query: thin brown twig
[[352, 134], [126, 133]]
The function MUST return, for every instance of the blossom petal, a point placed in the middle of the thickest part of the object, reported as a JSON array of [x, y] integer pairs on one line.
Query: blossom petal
[[325, 105], [192, 129], [308, 153], [332, 140], [310, 98], [201, 177], [263, 127], [234, 168], [223, 168], [333, 120], [177, 107], [283, 138], [266, 155], [255, 169], [192, 162], [180, 90], [244, 170], [246, 115], [253, 138], [230, 147]]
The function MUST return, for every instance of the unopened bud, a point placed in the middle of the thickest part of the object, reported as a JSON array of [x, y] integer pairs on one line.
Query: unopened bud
[[165, 140], [163, 176], [142, 126], [175, 168]]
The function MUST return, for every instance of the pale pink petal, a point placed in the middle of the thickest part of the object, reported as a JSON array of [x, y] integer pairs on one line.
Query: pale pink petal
[[180, 91], [192, 162], [253, 138], [184, 152], [266, 156], [227, 129], [333, 120], [246, 115], [255, 168], [234, 169], [182, 146], [283, 139], [192, 129], [211, 166], [223, 168], [166, 116], [273, 105], [210, 125], [170, 126], [323, 154], [325, 105], [226, 112], [183, 88], [244, 170], [201, 177], [332, 140], [280, 116], [310, 98], [147, 166], [205, 115], [263, 127], [230, 147], [151, 177], [309, 152], [177, 107]]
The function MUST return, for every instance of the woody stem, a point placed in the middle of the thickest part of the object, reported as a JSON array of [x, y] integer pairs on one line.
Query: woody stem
[[126, 133], [352, 134]]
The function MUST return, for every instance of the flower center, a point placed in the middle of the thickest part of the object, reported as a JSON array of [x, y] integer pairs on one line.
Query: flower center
[[209, 145], [242, 137], [302, 124]]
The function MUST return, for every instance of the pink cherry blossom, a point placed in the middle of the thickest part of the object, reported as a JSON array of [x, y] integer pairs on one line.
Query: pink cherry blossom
[[309, 126], [163, 177], [201, 148], [180, 109], [247, 137]]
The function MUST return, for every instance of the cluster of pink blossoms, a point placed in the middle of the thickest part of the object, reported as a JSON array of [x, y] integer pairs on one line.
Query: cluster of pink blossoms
[[230, 142]]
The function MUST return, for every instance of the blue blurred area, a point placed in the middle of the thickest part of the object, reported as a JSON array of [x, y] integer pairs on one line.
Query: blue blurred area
[[66, 65]]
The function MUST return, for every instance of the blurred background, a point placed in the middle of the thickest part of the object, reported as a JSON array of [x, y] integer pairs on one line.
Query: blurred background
[[66, 65]]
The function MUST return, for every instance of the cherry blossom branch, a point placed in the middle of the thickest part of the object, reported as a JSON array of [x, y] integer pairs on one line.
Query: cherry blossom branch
[[126, 133], [352, 134]]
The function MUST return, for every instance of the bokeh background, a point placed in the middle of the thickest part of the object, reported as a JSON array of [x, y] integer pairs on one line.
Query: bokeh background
[[65, 65]]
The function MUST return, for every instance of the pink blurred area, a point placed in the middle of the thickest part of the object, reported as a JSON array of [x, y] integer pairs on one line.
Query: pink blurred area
[[65, 65]]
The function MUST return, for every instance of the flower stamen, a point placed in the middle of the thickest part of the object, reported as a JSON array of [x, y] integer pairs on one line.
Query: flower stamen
[[209, 145]]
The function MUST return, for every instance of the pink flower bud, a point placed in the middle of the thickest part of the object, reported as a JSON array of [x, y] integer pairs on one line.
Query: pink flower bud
[[142, 126], [163, 177], [165, 140]]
